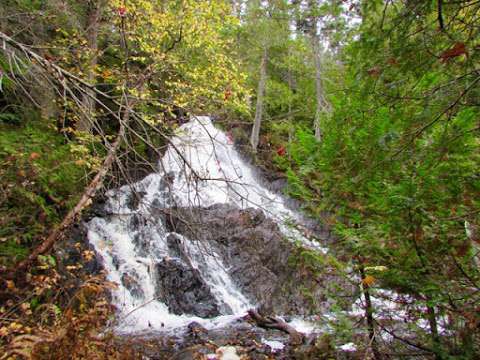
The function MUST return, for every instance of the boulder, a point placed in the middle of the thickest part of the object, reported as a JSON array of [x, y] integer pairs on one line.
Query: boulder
[[130, 281], [176, 249], [262, 262], [183, 290]]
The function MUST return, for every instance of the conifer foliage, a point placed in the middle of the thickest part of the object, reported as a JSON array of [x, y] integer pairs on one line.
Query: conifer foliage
[[368, 108]]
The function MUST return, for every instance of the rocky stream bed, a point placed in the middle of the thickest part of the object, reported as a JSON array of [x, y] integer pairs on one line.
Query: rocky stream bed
[[206, 257]]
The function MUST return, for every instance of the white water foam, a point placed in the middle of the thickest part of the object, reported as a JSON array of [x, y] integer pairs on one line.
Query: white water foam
[[204, 169]]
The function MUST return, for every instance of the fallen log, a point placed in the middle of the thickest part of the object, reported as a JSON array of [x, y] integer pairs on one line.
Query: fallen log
[[84, 201], [60, 75], [273, 322]]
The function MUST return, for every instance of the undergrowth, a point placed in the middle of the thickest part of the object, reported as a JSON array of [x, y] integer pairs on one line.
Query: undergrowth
[[41, 178], [50, 311]]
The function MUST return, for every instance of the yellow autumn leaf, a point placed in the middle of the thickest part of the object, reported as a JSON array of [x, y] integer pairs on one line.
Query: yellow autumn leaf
[[368, 280], [106, 74], [4, 331]]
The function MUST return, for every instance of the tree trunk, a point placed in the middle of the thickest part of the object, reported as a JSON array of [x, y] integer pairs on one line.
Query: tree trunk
[[299, 20], [237, 8], [260, 98], [432, 321], [318, 88], [88, 99], [321, 105], [369, 317]]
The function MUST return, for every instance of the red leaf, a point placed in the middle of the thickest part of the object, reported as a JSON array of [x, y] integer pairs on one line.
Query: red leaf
[[281, 151], [34, 156], [457, 50], [392, 61], [374, 72], [122, 11]]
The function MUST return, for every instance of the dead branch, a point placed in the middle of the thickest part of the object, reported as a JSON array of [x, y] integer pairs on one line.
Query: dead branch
[[85, 200], [123, 118], [270, 322]]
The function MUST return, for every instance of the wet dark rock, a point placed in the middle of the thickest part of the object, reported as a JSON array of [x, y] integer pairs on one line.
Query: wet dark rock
[[75, 258], [141, 244], [136, 221], [166, 181], [195, 327], [69, 251], [278, 185], [260, 259], [130, 281], [97, 209], [134, 199], [197, 331], [158, 205], [175, 248], [197, 342], [116, 262], [183, 289]]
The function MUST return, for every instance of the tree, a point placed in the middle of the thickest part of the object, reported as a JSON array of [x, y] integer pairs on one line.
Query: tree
[[317, 57], [266, 30], [397, 163], [94, 11], [254, 138]]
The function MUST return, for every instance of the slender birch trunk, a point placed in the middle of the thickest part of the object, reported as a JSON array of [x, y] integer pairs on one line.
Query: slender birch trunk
[[321, 105], [237, 8], [254, 139], [318, 88]]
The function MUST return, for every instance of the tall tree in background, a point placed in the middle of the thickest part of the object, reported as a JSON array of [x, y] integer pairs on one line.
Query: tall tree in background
[[260, 24], [254, 138], [94, 9], [266, 35], [321, 103], [399, 163], [322, 23]]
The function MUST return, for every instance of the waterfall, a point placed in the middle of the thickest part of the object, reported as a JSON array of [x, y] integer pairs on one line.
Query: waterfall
[[200, 168]]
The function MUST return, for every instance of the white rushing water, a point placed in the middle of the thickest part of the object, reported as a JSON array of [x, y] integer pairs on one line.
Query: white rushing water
[[203, 168]]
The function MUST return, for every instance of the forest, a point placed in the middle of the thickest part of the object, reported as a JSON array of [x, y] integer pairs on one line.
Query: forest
[[361, 116]]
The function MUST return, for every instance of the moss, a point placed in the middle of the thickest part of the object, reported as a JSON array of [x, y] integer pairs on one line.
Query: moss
[[309, 296], [40, 179], [10, 249]]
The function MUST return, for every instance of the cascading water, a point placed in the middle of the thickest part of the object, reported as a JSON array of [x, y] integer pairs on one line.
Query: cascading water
[[200, 168]]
